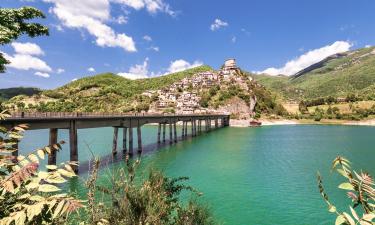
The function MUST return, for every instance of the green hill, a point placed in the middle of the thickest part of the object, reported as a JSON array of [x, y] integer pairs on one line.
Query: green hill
[[8, 93], [352, 72]]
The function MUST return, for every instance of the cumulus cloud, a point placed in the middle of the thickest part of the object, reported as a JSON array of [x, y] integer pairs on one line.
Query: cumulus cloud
[[180, 65], [154, 48], [218, 23], [60, 70], [121, 20], [234, 39], [309, 58], [147, 38], [25, 57], [138, 71], [91, 69], [91, 15], [41, 74], [152, 6], [27, 48]]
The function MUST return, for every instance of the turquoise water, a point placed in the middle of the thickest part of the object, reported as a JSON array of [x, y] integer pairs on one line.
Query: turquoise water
[[256, 176]]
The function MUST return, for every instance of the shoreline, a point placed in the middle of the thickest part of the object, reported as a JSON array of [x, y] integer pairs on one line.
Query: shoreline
[[280, 122]]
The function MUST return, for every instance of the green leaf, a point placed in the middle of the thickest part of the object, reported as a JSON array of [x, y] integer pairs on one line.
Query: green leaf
[[331, 208], [48, 188], [346, 186], [40, 154], [340, 220], [51, 167]]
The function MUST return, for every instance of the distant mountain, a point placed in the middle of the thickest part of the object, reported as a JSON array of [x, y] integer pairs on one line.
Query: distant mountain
[[351, 72], [8, 93]]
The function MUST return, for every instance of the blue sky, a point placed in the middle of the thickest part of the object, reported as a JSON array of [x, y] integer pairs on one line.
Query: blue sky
[[144, 38]]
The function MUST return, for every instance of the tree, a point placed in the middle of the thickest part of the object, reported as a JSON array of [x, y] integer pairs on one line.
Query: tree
[[13, 25]]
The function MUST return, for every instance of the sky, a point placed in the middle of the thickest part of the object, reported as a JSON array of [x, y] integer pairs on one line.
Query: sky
[[147, 38]]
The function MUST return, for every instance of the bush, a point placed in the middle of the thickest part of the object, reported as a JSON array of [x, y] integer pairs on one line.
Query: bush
[[360, 190]]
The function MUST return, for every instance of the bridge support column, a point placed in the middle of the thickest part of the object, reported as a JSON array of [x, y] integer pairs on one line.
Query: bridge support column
[[139, 136], [186, 134], [130, 141], [159, 130], [195, 127], [170, 133], [183, 129], [124, 133], [115, 136], [175, 132], [73, 142], [164, 128], [199, 126], [52, 141], [216, 124]]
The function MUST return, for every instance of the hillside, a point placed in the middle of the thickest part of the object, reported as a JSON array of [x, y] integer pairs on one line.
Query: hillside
[[8, 93], [196, 90], [339, 75]]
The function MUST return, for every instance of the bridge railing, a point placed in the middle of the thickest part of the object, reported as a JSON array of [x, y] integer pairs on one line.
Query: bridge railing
[[91, 114]]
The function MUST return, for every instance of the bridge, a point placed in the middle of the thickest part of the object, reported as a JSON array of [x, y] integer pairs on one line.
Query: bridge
[[73, 121]]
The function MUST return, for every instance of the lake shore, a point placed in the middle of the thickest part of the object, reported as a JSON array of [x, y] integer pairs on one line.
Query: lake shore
[[278, 122]]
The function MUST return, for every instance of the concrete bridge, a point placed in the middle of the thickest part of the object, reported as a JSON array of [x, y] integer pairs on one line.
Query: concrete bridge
[[74, 121]]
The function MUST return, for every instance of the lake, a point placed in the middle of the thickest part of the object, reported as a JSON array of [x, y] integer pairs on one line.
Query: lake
[[263, 175]]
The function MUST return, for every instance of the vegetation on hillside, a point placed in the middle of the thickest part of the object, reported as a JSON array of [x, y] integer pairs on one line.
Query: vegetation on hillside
[[8, 93], [102, 93], [337, 77], [360, 189]]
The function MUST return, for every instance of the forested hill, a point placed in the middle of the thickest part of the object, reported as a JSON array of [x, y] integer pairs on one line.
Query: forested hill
[[340, 75], [8, 93]]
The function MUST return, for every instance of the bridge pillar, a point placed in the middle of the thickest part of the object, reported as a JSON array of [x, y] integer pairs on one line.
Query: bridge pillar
[[170, 133], [216, 123], [139, 135], [159, 130], [130, 151], [52, 141], [124, 133], [164, 128], [183, 129], [186, 134], [195, 127], [73, 142], [175, 131], [114, 144]]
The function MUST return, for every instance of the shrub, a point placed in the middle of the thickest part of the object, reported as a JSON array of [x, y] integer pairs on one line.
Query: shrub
[[29, 196], [360, 190]]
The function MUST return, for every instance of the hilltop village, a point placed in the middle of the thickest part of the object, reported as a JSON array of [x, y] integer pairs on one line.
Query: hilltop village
[[185, 96]]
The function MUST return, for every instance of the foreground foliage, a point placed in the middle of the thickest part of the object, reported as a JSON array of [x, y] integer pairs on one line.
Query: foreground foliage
[[29, 195], [155, 200], [360, 187]]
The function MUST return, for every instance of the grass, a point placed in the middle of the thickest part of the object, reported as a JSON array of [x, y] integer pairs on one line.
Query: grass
[[345, 107]]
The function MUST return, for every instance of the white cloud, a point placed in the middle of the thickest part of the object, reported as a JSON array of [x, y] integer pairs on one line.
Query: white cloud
[[91, 15], [309, 58], [27, 62], [121, 20], [154, 48], [152, 6], [147, 38], [91, 69], [41, 74], [180, 65], [60, 70], [218, 24], [234, 39], [74, 79], [368, 46], [27, 48], [138, 71]]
